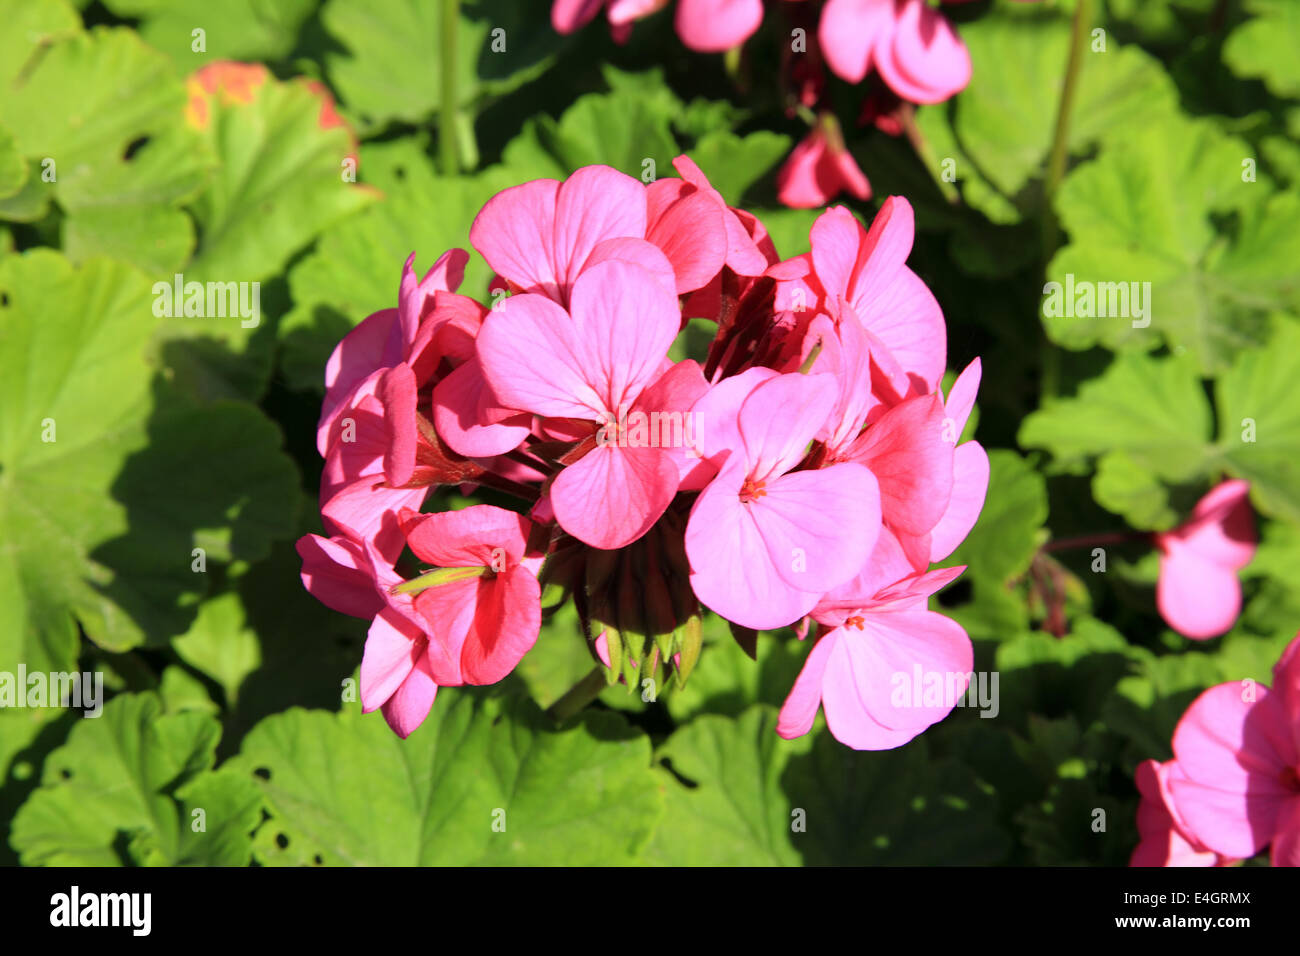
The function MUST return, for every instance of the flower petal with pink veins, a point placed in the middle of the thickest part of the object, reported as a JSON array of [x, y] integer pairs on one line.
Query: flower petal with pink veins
[[906, 452], [850, 30], [819, 527], [1197, 597], [672, 397], [536, 358], [846, 714], [907, 318], [718, 412], [410, 705], [397, 392], [626, 321], [780, 417], [514, 231], [731, 570], [925, 60], [688, 225], [805, 697], [638, 252], [970, 485], [712, 26], [594, 204], [894, 643], [611, 496], [448, 611]]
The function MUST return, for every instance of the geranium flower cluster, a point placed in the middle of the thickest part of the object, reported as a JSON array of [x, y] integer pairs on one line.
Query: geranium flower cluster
[[806, 470], [908, 49], [1233, 787]]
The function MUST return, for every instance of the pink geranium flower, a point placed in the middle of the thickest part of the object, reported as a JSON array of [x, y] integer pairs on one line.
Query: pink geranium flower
[[602, 362], [867, 269], [765, 540], [706, 26], [819, 169], [483, 623], [909, 43], [862, 669], [1238, 753], [1198, 592]]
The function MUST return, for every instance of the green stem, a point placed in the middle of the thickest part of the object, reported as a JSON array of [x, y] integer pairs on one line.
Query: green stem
[[578, 696], [447, 117], [907, 117], [1060, 139]]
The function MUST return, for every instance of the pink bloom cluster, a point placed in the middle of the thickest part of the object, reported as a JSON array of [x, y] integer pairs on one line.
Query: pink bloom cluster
[[1233, 787], [909, 45], [808, 470]]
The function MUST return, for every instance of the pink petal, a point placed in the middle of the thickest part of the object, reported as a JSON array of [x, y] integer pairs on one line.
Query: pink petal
[[335, 571], [506, 624], [896, 643], [393, 645], [712, 26], [459, 401], [847, 715], [925, 61], [731, 570], [594, 204], [691, 231], [718, 411], [780, 417], [970, 484], [373, 345], [537, 359], [626, 321], [397, 392], [477, 536], [850, 30], [805, 697], [410, 705], [611, 496], [1197, 597], [961, 397], [906, 452], [570, 15], [514, 231]]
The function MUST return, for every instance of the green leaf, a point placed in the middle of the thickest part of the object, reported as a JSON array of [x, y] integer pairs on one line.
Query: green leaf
[[30, 27], [356, 267], [391, 65], [1126, 488], [1265, 46], [584, 795], [13, 168], [1006, 535], [759, 800], [104, 113], [1153, 410], [1259, 415], [1140, 219], [218, 812], [734, 163], [232, 30], [102, 494], [220, 644], [113, 781]]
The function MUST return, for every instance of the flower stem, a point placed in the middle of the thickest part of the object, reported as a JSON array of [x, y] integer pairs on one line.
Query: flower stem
[[1087, 540], [906, 114], [578, 696], [1060, 139], [447, 137]]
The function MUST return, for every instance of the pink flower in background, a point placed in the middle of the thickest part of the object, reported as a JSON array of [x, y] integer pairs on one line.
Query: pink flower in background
[[909, 43], [1234, 787], [1198, 592], [706, 26], [818, 170]]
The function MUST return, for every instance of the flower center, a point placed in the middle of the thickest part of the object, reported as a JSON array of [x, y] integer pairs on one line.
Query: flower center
[[752, 490], [858, 621]]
